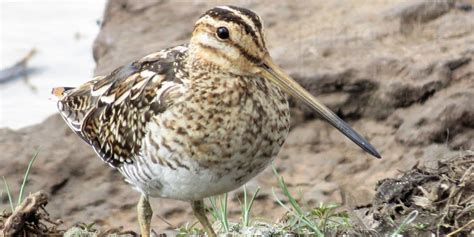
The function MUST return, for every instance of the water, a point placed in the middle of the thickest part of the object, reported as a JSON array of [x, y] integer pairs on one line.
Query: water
[[62, 33]]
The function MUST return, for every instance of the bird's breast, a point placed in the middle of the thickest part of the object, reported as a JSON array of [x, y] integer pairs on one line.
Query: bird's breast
[[214, 140], [227, 122]]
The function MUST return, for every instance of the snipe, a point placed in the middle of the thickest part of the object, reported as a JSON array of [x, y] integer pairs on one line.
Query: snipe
[[195, 120]]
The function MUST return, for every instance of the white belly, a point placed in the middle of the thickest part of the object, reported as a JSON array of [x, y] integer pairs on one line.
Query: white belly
[[186, 184]]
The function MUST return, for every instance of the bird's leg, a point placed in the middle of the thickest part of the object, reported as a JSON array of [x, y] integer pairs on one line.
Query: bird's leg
[[200, 213], [144, 215]]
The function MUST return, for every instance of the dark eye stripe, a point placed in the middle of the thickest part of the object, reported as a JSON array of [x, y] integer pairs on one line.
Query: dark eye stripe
[[251, 15], [228, 16], [248, 56]]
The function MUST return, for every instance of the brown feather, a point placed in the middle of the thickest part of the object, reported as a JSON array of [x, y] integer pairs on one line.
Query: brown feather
[[111, 112]]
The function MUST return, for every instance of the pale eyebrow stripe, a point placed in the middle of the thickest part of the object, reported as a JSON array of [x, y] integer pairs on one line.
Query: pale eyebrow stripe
[[246, 22]]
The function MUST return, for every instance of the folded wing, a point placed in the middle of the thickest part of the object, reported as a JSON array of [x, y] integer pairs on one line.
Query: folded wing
[[111, 112]]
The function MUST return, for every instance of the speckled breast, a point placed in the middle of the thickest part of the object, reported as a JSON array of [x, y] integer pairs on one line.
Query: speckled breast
[[222, 133]]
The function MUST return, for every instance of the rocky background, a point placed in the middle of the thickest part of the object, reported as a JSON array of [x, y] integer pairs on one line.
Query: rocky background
[[400, 72]]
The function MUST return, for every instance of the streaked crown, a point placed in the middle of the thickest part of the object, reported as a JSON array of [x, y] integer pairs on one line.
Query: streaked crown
[[230, 37]]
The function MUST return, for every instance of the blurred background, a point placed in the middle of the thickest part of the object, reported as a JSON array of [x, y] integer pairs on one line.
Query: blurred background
[[61, 33], [401, 72]]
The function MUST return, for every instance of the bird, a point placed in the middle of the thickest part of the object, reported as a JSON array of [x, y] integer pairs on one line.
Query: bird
[[194, 120]]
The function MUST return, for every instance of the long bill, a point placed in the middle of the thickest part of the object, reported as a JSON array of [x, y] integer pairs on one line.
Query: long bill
[[275, 74]]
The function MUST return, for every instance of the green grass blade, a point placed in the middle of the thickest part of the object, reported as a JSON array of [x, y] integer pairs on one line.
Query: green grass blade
[[248, 207], [25, 178], [284, 188], [253, 199], [298, 211], [407, 221], [9, 194], [218, 210], [213, 210], [302, 218], [243, 207], [225, 217]]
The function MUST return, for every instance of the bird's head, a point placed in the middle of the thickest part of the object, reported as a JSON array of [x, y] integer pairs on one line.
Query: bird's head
[[232, 39]]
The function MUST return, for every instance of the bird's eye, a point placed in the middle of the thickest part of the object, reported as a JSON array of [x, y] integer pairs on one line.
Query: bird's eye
[[222, 33]]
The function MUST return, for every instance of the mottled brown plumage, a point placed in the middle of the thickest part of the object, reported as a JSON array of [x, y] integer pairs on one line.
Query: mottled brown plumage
[[111, 112], [194, 120]]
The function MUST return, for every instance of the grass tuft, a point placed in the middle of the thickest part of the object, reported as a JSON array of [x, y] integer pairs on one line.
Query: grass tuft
[[326, 219], [23, 184], [247, 206], [219, 211], [296, 211], [316, 221]]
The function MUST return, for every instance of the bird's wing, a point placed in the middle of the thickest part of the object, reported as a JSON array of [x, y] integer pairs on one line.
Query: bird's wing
[[111, 112]]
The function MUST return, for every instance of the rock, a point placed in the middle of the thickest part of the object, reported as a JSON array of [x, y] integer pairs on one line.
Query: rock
[[321, 193], [456, 25], [442, 119], [419, 11], [382, 86], [463, 5], [131, 30]]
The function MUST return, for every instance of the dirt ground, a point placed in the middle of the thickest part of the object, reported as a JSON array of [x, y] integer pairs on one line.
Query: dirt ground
[[434, 199], [400, 72]]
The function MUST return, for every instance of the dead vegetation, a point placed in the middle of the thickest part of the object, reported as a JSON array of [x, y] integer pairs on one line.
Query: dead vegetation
[[438, 200], [20, 70], [30, 218]]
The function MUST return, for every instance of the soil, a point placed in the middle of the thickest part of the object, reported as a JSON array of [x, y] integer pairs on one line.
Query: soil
[[400, 72]]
